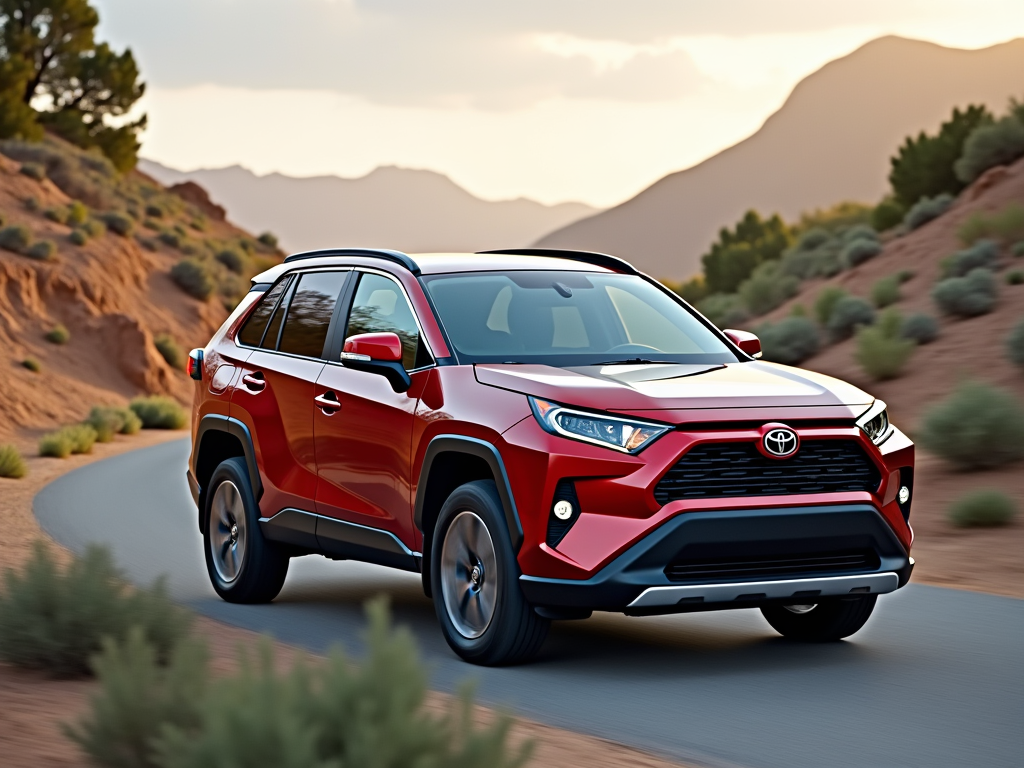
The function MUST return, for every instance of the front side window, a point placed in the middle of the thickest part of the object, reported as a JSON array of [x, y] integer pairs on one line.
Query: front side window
[[568, 318], [255, 327], [309, 313], [380, 306]]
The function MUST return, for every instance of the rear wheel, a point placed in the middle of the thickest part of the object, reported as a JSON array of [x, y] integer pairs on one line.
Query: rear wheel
[[475, 581], [820, 622], [243, 566]]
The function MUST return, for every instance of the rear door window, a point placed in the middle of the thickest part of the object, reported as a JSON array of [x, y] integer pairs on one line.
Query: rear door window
[[309, 313], [252, 332]]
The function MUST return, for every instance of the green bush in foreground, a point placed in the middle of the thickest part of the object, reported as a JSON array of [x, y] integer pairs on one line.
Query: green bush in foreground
[[31, 364], [55, 619], [1015, 344], [982, 509], [977, 427], [886, 291], [789, 341], [169, 351], [192, 276], [111, 420], [11, 463], [881, 350], [158, 412], [78, 438], [58, 335]]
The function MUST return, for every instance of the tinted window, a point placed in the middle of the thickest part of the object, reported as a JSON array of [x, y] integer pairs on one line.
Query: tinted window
[[309, 313], [569, 318], [274, 327], [252, 332], [380, 307]]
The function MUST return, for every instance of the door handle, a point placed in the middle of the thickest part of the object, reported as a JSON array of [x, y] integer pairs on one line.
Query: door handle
[[328, 403], [254, 382]]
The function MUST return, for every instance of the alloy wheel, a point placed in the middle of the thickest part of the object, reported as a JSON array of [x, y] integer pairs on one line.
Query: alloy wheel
[[227, 531], [469, 575]]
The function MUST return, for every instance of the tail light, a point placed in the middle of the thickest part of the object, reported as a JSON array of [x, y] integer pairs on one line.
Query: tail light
[[195, 364]]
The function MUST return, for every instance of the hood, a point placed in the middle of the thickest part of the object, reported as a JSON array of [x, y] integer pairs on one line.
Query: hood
[[754, 385]]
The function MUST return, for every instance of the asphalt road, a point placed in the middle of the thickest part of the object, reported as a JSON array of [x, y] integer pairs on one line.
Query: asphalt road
[[935, 680]]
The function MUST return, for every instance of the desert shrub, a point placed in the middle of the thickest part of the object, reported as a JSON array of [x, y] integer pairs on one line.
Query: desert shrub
[[56, 445], [94, 228], [968, 296], [16, 237], [977, 427], [189, 248], [1016, 277], [31, 364], [78, 237], [725, 310], [55, 619], [1006, 226], [33, 171], [42, 250], [57, 214], [151, 224], [983, 254], [859, 232], [170, 238], [198, 224], [1017, 249], [767, 288], [1015, 344], [926, 209], [826, 302], [920, 327], [111, 420], [58, 335], [990, 145], [905, 275], [860, 250], [798, 310], [887, 214], [169, 351], [881, 350], [988, 508], [268, 239], [848, 314], [155, 211], [79, 174], [816, 254], [82, 437], [232, 259], [789, 341], [192, 276], [120, 223], [11, 463], [78, 213], [158, 412], [886, 291]]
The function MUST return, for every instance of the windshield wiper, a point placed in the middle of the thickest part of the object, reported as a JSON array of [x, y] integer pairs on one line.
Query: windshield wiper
[[636, 361]]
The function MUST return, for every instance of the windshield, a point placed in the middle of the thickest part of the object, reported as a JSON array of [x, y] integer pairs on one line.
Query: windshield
[[568, 318]]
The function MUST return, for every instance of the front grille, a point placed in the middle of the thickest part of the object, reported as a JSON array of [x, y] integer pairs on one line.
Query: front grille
[[772, 566], [717, 470]]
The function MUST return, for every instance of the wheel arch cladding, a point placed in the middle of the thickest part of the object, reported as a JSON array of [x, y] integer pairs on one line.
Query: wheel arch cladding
[[219, 438]]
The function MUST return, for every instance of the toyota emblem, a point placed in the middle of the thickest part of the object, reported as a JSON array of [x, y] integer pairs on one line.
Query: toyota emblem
[[780, 442]]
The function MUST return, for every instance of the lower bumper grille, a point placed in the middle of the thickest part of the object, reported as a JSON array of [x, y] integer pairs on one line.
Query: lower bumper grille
[[772, 566]]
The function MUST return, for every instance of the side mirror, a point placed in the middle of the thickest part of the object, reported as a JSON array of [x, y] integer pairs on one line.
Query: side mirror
[[379, 353], [747, 342]]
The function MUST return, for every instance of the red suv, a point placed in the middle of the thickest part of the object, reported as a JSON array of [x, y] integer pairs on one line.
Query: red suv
[[540, 434]]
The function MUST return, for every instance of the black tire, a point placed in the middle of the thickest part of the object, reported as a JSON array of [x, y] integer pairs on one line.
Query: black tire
[[828, 621], [261, 565], [514, 632]]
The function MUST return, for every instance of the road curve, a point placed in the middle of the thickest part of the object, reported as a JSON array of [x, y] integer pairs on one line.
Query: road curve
[[935, 680]]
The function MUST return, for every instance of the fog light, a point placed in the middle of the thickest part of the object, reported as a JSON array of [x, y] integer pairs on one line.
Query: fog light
[[563, 510], [904, 495]]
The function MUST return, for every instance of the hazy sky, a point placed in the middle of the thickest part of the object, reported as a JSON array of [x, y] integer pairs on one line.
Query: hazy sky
[[556, 100]]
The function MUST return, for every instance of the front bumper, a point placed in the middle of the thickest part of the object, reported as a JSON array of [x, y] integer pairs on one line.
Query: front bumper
[[636, 582]]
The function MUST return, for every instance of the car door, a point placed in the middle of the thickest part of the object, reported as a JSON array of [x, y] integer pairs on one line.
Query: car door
[[363, 446], [276, 389]]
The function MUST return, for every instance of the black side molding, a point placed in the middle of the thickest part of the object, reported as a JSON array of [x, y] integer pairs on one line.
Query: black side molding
[[235, 428]]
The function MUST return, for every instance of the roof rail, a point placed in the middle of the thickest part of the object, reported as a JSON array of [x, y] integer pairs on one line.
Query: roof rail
[[587, 257], [372, 253]]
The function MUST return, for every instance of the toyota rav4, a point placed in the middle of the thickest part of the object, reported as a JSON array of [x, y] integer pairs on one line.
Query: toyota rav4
[[540, 434]]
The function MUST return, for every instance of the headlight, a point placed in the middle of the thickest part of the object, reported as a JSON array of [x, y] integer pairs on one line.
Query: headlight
[[875, 423], [626, 435]]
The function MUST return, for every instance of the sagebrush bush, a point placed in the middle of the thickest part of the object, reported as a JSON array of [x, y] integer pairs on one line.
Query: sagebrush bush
[[268, 239], [82, 437], [110, 420], [16, 238], [725, 310], [159, 412], [1015, 344], [33, 171], [988, 146], [887, 214], [57, 214], [860, 250], [232, 259], [58, 334], [789, 341], [42, 250], [55, 618], [1007, 226], [988, 509], [12, 465], [56, 445], [815, 254], [968, 296], [767, 288], [170, 238], [192, 276], [849, 313], [169, 351], [977, 427], [94, 228], [926, 209], [886, 291], [78, 237], [1016, 277], [31, 364], [984, 254], [859, 232], [881, 350], [920, 327], [826, 301], [155, 211], [78, 213], [120, 223]]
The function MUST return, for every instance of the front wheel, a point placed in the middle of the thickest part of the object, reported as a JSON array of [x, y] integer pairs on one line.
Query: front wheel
[[820, 622], [475, 581]]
